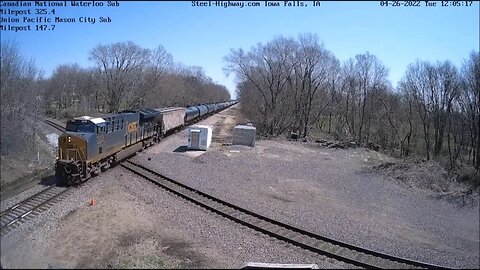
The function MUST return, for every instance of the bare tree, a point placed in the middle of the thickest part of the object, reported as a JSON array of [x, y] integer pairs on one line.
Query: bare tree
[[269, 69], [349, 84], [371, 75], [19, 100], [148, 83], [63, 86], [121, 65], [416, 83], [314, 70], [444, 90], [469, 100]]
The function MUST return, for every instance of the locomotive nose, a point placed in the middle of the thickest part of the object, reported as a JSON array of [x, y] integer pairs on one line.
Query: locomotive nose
[[68, 172], [71, 147]]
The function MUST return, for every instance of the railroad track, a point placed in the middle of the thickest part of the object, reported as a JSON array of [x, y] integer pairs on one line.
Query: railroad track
[[31, 207], [34, 205], [55, 125], [316, 243]]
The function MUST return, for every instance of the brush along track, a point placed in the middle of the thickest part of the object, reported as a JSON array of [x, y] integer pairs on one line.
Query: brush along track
[[30, 207], [319, 244], [55, 125]]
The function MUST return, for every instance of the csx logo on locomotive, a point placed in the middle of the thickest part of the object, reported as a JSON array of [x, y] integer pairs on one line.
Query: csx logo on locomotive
[[132, 127]]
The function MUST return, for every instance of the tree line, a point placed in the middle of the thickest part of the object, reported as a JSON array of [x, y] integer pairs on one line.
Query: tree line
[[127, 76], [123, 76], [296, 85]]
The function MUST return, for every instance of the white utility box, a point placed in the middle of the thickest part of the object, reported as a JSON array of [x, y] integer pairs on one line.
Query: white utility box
[[244, 135], [199, 137]]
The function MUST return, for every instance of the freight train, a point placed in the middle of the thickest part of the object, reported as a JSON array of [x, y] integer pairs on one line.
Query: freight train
[[91, 145]]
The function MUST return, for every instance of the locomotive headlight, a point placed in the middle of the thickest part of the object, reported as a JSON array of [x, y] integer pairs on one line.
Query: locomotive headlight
[[69, 139]]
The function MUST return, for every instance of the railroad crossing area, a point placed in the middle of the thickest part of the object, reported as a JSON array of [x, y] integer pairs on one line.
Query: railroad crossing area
[[279, 202]]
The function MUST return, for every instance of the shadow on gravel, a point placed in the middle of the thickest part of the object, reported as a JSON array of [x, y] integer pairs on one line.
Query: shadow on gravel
[[48, 180], [460, 199], [45, 178], [181, 149]]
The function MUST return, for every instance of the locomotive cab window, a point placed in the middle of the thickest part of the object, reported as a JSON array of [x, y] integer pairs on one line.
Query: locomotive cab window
[[80, 126]]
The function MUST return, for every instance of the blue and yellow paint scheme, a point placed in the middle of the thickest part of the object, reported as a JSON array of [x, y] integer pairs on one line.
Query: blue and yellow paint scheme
[[91, 144]]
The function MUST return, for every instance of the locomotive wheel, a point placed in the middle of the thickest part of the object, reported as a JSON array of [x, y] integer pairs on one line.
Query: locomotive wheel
[[96, 170]]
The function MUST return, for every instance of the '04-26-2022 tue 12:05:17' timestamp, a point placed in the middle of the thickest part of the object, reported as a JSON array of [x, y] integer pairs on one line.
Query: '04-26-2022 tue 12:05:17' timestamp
[[426, 3]]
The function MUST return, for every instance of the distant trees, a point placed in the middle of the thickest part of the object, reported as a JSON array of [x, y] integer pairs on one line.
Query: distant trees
[[433, 89], [133, 77], [127, 76], [266, 72], [19, 100], [121, 66], [469, 103], [289, 77], [181, 86], [160, 63], [73, 88], [372, 78], [315, 75], [297, 85], [362, 87]]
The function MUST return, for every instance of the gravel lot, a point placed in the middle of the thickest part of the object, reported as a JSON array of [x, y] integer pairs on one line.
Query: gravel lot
[[307, 188], [135, 224]]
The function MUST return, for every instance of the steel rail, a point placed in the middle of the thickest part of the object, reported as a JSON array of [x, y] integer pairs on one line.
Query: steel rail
[[345, 252], [55, 125], [37, 203], [32, 205]]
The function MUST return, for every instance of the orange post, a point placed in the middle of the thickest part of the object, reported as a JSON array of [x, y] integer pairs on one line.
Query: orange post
[[92, 202]]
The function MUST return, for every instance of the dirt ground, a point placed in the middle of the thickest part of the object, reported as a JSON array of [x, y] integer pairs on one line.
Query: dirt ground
[[19, 174], [134, 224]]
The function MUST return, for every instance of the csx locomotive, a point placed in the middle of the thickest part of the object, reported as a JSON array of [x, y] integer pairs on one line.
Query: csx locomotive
[[91, 145]]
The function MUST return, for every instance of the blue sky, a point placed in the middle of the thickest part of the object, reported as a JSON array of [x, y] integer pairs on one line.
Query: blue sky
[[202, 36]]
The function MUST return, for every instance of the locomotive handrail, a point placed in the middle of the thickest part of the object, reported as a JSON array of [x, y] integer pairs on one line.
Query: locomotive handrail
[[84, 155]]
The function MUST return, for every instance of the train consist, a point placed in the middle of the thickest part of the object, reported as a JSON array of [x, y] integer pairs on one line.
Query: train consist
[[91, 145]]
